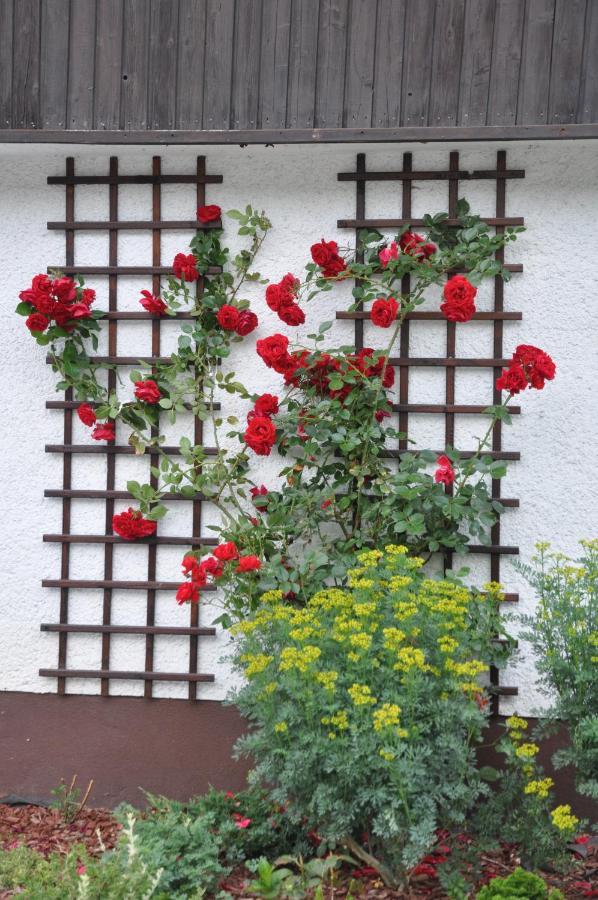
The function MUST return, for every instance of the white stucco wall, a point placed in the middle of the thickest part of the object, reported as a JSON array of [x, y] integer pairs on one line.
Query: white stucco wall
[[298, 188]]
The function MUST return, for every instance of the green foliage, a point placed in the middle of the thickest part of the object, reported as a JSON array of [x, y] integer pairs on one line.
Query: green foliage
[[365, 705], [520, 885], [277, 880], [564, 636]]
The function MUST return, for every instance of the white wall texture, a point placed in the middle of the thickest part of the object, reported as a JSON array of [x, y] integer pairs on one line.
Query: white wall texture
[[297, 186]]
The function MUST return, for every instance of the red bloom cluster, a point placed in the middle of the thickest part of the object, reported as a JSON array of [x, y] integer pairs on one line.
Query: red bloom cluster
[[260, 433], [388, 253], [147, 391], [529, 367], [316, 373], [444, 474], [384, 312], [131, 525], [153, 304], [274, 350], [103, 431], [281, 298], [86, 414], [184, 266], [230, 319], [416, 245], [209, 213], [325, 254], [459, 294], [56, 299], [212, 567]]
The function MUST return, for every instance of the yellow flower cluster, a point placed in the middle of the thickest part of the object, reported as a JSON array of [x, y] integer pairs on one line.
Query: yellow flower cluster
[[409, 658], [447, 644], [515, 723], [563, 819], [327, 680], [393, 638], [361, 694], [388, 755], [541, 787], [386, 716], [298, 658], [281, 727], [527, 751], [404, 609], [339, 720], [256, 663], [465, 669]]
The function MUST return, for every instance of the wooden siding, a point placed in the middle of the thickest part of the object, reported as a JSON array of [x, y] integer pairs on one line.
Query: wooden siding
[[273, 65]]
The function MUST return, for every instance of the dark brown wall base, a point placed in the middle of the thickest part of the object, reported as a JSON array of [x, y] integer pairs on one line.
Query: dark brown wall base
[[170, 747]]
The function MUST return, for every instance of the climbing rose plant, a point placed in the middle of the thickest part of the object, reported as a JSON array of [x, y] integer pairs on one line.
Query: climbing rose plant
[[341, 488]]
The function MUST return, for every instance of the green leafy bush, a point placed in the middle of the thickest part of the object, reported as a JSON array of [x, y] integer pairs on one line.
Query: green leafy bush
[[564, 636], [521, 884], [366, 705]]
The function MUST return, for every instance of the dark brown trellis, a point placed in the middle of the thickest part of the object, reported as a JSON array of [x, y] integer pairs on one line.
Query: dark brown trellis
[[450, 362], [113, 271]]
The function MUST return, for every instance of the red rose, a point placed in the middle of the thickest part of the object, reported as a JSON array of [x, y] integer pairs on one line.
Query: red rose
[[334, 267], [79, 311], [131, 525], [104, 431], [388, 253], [273, 297], [211, 566], [36, 322], [266, 405], [530, 367], [189, 565], [512, 379], [246, 323], [152, 304], [291, 314], [88, 296], [384, 312], [228, 317], [323, 252], [209, 213], [187, 593], [248, 564], [64, 289], [444, 474], [226, 552], [86, 414], [274, 351], [184, 267], [260, 435], [415, 245], [458, 303], [147, 391]]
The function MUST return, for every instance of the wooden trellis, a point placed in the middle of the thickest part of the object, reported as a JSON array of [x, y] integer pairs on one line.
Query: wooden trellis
[[450, 362], [113, 272]]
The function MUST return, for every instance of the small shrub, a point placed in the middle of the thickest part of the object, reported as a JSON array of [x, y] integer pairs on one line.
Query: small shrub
[[367, 706], [521, 884]]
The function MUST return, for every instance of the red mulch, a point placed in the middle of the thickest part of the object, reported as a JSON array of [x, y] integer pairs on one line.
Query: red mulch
[[45, 831]]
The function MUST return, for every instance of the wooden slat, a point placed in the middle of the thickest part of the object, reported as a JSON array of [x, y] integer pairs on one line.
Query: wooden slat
[[220, 29], [127, 629], [417, 61], [25, 64], [332, 45], [437, 316], [534, 82], [359, 75], [92, 494], [302, 64], [116, 449], [415, 223], [567, 51], [113, 674], [6, 55], [388, 71], [191, 53], [588, 91], [109, 59], [274, 68], [506, 61], [246, 64], [162, 76], [166, 539], [81, 64], [54, 63], [133, 98], [139, 225], [476, 62], [113, 584], [448, 47]]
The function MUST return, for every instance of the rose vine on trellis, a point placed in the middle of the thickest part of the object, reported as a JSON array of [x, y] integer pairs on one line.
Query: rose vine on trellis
[[339, 492]]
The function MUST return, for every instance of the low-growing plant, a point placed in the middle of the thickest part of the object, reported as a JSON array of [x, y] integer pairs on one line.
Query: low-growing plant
[[366, 705], [305, 878], [69, 800], [520, 885], [563, 633]]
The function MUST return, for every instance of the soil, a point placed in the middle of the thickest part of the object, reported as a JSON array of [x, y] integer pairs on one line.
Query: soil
[[45, 831]]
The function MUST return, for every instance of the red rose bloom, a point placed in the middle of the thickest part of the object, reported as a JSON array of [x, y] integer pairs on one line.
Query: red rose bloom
[[37, 322], [274, 351], [86, 414], [384, 312], [459, 295], [273, 297], [104, 431], [529, 366], [147, 391], [444, 474], [79, 311], [189, 565], [211, 566], [260, 435], [131, 525], [226, 552], [152, 304], [248, 564], [184, 266], [187, 593], [512, 379], [415, 245], [388, 253], [64, 289], [209, 213], [88, 296], [291, 314], [323, 252], [266, 405], [228, 317], [246, 323]]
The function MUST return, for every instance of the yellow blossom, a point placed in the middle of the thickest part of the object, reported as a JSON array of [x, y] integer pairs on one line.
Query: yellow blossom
[[281, 727], [361, 694], [298, 658], [327, 680], [515, 723], [541, 787], [563, 819], [527, 751], [388, 755], [386, 716], [256, 663]]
